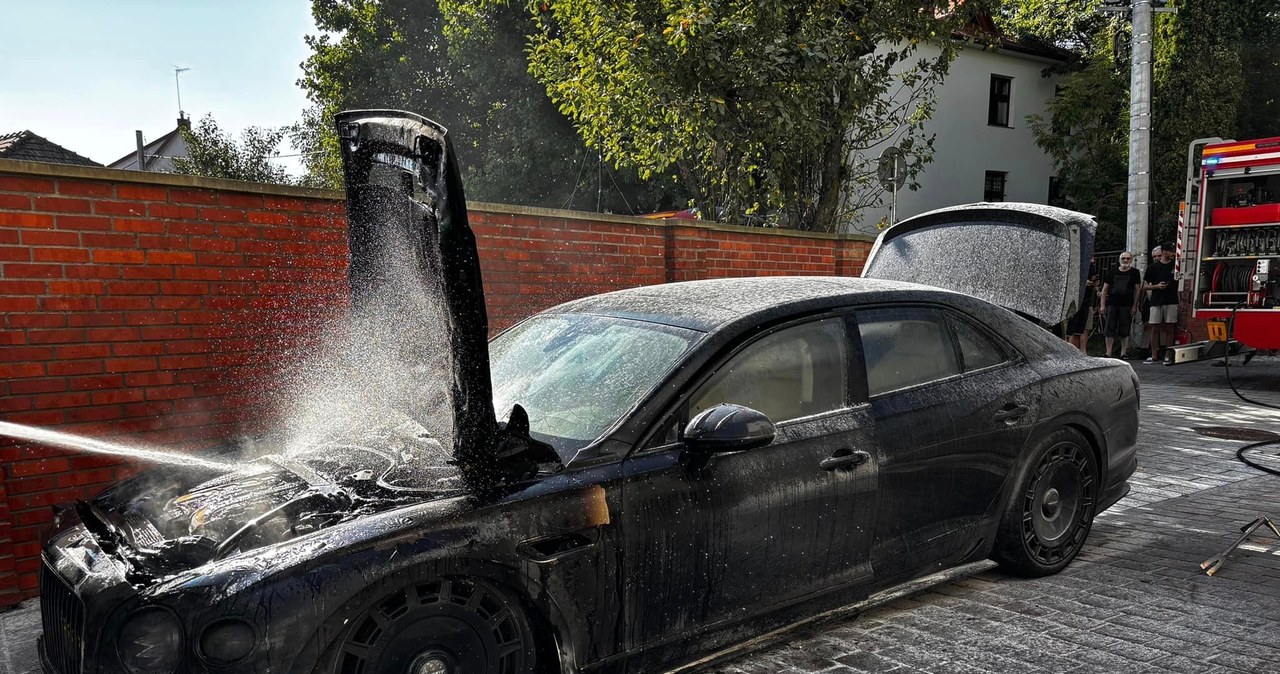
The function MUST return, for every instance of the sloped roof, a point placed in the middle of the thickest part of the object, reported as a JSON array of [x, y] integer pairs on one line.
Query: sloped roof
[[152, 151], [27, 146], [983, 29]]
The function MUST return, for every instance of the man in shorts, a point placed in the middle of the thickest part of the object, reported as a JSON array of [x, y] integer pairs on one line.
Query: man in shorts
[[1121, 288], [1160, 280]]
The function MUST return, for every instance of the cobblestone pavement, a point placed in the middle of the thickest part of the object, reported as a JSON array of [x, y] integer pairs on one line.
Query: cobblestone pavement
[[1134, 601]]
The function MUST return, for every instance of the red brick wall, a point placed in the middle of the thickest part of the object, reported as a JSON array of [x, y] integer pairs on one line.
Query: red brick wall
[[158, 307], [538, 258], [142, 309]]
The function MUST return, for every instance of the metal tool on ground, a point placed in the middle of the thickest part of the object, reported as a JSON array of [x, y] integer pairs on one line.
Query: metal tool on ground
[[1213, 564]]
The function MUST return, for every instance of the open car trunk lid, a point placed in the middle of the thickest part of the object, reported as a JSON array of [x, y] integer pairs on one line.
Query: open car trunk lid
[[1028, 258], [406, 210]]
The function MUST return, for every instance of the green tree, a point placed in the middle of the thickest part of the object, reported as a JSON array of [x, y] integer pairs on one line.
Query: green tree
[[1086, 132], [514, 146], [1213, 73], [213, 153], [1086, 128], [315, 137], [1220, 82], [1259, 117], [757, 106]]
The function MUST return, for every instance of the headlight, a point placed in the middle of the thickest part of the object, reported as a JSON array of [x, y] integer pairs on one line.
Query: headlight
[[150, 642], [227, 641]]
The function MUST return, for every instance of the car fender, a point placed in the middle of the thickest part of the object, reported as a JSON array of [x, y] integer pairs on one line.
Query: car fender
[[1056, 412], [542, 607], [294, 591]]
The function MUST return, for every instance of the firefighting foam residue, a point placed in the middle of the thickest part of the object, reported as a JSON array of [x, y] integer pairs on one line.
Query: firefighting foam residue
[[384, 371], [80, 443]]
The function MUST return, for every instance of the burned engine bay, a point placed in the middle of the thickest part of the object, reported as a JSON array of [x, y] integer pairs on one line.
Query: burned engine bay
[[161, 522]]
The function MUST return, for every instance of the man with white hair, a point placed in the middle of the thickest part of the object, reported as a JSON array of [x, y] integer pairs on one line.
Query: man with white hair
[[1119, 296]]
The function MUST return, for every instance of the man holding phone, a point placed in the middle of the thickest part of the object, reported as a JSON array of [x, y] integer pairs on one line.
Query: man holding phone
[[1160, 280]]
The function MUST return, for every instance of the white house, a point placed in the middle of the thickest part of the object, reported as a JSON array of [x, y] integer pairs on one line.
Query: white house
[[984, 149], [158, 154]]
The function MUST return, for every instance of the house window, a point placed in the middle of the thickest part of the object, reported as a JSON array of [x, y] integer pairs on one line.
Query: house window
[[993, 187], [1055, 192], [1056, 123], [998, 106]]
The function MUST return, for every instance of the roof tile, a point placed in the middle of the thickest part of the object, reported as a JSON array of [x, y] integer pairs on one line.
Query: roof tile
[[28, 146]]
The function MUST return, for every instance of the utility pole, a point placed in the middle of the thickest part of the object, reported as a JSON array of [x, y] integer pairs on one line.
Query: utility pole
[[1139, 211], [1137, 222]]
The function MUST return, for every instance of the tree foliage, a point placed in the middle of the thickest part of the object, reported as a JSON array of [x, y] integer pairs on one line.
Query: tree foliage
[[1220, 81], [1213, 65], [757, 106], [1086, 132], [316, 138], [213, 153], [514, 146]]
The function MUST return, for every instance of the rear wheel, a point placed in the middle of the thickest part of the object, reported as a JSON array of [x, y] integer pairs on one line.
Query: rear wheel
[[441, 626], [1051, 513]]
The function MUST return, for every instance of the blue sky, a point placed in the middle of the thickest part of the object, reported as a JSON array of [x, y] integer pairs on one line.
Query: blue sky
[[85, 74]]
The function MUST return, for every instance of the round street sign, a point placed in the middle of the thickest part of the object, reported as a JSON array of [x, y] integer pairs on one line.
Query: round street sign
[[892, 169]]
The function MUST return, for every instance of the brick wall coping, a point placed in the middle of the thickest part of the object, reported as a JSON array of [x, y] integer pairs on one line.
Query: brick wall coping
[[157, 178], [179, 180]]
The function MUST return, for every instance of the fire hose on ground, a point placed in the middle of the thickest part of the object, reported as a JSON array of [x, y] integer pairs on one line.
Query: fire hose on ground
[[1213, 564]]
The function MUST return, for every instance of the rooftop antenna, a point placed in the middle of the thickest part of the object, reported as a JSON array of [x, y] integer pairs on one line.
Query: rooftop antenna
[[177, 71]]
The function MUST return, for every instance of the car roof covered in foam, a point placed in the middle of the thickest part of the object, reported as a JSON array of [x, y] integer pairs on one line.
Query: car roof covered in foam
[[711, 304]]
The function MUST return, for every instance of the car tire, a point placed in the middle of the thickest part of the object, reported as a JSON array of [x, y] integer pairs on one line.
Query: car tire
[[448, 625], [1051, 511]]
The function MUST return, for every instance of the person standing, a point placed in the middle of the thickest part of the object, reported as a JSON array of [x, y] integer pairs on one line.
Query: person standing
[[1081, 324], [1160, 280], [1142, 339], [1120, 293]]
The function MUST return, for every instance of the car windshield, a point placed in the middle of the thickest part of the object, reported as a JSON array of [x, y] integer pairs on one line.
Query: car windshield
[[578, 374]]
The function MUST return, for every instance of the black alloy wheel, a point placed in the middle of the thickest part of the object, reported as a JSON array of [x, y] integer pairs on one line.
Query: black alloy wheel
[[1051, 513], [442, 626]]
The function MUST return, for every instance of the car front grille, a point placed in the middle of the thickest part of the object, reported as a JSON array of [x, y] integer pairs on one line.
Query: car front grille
[[63, 615]]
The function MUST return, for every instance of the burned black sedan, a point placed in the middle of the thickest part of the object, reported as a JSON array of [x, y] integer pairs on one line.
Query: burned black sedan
[[678, 467]]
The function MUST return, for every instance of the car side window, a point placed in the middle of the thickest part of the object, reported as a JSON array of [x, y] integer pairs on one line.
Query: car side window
[[904, 347], [976, 349], [795, 372]]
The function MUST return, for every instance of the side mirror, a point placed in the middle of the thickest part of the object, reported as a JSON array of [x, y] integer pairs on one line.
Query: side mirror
[[728, 428]]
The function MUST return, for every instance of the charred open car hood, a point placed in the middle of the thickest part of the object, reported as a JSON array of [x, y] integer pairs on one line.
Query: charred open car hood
[[405, 206], [1028, 258], [406, 210]]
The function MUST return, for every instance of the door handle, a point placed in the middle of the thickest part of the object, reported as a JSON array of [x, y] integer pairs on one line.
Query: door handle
[[843, 458], [1010, 413]]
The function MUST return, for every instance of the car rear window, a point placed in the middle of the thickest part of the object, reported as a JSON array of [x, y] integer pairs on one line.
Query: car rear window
[[904, 347], [976, 349]]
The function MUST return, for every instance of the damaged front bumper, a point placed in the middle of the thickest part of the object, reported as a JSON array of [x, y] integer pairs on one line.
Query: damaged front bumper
[[83, 591], [89, 595]]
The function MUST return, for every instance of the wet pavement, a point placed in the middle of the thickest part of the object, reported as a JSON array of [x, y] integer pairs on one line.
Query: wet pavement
[[1134, 601]]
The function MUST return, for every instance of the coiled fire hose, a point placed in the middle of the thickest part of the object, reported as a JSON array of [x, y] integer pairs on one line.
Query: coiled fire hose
[[1240, 453]]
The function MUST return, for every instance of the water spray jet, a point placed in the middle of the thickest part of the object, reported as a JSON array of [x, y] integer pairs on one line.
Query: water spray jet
[[80, 443]]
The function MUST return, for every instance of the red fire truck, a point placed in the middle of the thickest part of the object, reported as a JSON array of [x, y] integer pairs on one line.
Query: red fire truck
[[1229, 232]]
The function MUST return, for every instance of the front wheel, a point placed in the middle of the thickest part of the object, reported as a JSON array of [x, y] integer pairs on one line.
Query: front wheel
[[442, 626], [1051, 512]]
